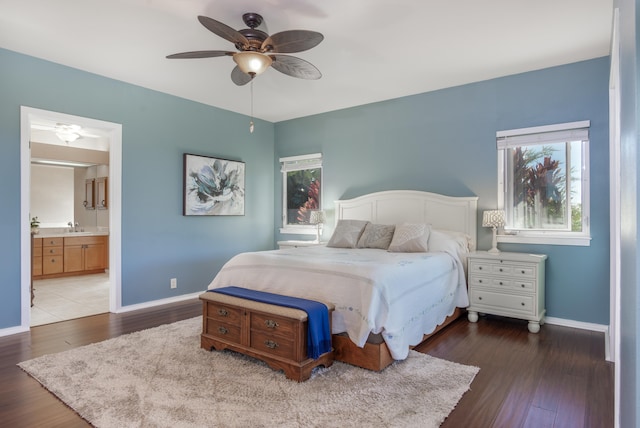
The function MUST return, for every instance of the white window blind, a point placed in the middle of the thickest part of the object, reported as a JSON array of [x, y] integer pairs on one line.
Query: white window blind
[[574, 131], [296, 163]]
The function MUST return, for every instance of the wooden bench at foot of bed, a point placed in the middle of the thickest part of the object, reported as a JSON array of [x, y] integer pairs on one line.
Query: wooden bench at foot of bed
[[375, 356], [274, 334]]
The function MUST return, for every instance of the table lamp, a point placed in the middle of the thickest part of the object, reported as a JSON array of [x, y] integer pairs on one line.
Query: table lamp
[[317, 217], [493, 219]]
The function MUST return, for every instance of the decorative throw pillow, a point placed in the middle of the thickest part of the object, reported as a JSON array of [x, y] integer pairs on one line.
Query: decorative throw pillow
[[376, 236], [347, 233], [410, 238]]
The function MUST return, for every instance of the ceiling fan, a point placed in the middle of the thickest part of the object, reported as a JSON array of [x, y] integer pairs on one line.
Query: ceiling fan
[[257, 50]]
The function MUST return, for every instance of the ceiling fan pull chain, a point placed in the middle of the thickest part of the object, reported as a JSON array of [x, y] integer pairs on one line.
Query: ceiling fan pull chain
[[251, 126]]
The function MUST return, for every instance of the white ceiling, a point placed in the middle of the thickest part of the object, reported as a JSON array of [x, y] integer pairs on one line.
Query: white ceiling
[[373, 49]]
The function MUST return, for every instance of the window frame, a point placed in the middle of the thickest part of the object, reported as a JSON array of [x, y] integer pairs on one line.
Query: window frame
[[298, 163], [530, 137]]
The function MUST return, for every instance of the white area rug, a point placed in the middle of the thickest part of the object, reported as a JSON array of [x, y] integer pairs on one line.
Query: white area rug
[[162, 378]]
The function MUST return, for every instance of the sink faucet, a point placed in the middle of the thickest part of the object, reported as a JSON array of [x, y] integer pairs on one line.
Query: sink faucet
[[73, 227]]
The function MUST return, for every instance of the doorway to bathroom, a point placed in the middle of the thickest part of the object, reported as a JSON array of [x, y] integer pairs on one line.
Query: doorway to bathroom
[[70, 181]]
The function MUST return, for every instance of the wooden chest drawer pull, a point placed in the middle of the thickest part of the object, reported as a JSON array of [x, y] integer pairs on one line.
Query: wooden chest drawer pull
[[53, 260], [522, 272], [480, 281], [501, 283], [479, 267], [222, 330], [223, 312], [480, 298], [522, 285], [522, 303], [271, 323], [501, 270], [271, 344]]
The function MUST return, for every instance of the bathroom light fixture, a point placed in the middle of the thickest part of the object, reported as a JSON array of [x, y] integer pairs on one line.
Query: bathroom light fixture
[[493, 219], [68, 137], [252, 63], [318, 218]]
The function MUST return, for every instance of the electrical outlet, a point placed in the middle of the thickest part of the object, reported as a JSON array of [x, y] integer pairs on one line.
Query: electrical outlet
[[174, 283]]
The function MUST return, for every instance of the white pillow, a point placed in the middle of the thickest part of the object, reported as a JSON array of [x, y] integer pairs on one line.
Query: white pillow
[[347, 233], [410, 238], [447, 240]]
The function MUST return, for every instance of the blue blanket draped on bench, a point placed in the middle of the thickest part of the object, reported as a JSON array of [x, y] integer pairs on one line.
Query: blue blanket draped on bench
[[318, 334]]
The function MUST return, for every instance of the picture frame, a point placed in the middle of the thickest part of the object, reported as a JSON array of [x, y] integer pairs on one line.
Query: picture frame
[[213, 186]]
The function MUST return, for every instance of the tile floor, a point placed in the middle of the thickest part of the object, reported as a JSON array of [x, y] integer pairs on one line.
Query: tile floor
[[60, 299]]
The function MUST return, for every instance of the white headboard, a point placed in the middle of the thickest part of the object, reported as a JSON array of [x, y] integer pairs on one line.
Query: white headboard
[[412, 206]]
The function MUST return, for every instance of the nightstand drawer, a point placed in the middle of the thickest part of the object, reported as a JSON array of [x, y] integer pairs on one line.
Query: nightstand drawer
[[510, 283], [503, 269], [509, 302]]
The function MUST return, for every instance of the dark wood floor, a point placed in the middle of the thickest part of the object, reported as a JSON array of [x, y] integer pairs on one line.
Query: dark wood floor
[[557, 378]]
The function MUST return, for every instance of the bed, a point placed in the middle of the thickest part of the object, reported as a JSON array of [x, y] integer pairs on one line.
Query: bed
[[385, 302]]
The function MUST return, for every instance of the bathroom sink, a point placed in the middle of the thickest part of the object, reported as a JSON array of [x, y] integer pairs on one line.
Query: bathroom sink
[[80, 233]]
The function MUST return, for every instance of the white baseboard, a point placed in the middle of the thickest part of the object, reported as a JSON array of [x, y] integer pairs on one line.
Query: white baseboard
[[160, 302], [13, 330], [601, 328]]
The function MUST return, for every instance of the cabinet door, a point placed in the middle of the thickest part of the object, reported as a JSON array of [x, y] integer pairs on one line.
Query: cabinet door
[[101, 193], [89, 197], [73, 258], [94, 256]]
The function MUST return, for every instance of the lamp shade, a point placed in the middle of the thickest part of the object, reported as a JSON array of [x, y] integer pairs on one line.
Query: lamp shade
[[317, 217], [493, 218], [252, 63]]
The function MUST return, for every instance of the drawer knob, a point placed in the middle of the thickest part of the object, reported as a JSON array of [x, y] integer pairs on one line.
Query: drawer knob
[[479, 267], [501, 283], [53, 260], [270, 344], [522, 303], [51, 251], [480, 281], [222, 330], [480, 298], [223, 312], [271, 323], [500, 269], [522, 271], [522, 285]]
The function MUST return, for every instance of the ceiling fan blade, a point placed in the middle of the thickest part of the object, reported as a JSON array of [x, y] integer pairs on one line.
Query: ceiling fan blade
[[223, 30], [199, 54], [295, 67], [239, 77], [292, 41]]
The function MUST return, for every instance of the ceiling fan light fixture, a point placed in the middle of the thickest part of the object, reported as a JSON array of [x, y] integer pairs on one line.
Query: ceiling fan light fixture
[[252, 63]]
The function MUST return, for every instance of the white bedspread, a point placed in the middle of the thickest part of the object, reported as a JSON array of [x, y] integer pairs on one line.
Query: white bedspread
[[400, 295]]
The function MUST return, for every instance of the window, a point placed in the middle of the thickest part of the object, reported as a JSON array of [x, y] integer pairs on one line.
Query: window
[[301, 192], [543, 184]]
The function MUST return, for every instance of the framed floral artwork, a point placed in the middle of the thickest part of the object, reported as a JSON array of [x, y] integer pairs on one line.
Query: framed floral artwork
[[213, 186]]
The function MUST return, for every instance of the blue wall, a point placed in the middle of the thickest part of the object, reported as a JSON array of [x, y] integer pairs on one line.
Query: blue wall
[[445, 142], [158, 243], [629, 361], [441, 141]]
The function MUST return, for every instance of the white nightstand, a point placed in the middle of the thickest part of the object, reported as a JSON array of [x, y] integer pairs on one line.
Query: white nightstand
[[297, 244], [507, 284]]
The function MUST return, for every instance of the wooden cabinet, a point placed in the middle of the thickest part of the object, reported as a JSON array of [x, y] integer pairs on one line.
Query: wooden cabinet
[[274, 334], [101, 191], [52, 256], [78, 255], [507, 284], [36, 257], [85, 254]]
